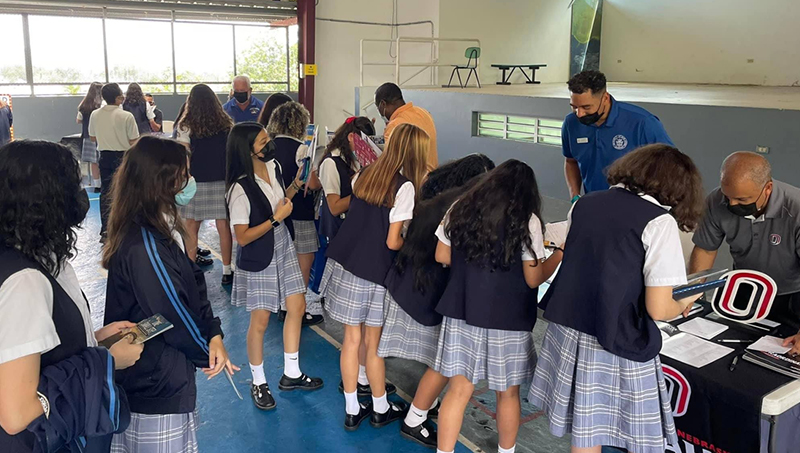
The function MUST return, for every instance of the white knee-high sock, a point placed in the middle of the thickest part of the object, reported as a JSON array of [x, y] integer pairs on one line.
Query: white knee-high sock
[[291, 365], [258, 374]]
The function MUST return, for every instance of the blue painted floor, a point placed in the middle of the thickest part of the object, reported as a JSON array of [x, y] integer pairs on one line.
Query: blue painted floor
[[302, 422]]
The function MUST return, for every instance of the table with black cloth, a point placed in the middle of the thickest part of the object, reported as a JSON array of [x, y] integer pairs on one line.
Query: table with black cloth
[[725, 411]]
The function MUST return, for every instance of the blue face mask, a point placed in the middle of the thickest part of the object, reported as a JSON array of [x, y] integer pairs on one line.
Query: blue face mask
[[183, 197]]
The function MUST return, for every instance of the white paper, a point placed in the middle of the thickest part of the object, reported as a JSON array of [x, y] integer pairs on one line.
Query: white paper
[[768, 323], [556, 233], [693, 351], [769, 344], [703, 328]]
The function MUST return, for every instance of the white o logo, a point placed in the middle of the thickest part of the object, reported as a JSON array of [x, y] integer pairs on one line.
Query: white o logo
[[620, 142]]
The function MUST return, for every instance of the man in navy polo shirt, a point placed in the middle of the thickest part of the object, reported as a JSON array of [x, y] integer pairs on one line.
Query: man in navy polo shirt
[[599, 131], [243, 106]]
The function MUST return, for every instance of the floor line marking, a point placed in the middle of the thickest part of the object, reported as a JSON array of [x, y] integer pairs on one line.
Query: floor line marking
[[207, 247]]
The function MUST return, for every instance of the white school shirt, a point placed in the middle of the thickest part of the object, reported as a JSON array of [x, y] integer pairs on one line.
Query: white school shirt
[[664, 264], [26, 313], [239, 205], [534, 230], [403, 207], [329, 175], [113, 127]]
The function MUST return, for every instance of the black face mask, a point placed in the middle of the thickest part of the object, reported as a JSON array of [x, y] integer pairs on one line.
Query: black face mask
[[241, 96], [589, 119], [744, 210], [268, 152], [81, 209]]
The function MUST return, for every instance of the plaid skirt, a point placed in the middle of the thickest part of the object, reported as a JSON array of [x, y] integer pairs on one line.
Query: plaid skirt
[[266, 290], [503, 357], [600, 398], [208, 203], [306, 238], [171, 433], [89, 152], [405, 338], [351, 300]]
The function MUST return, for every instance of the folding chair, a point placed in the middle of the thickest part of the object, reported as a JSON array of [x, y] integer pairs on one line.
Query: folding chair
[[471, 53]]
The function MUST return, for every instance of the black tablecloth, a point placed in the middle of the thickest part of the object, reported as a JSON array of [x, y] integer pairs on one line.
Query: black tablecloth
[[724, 408]]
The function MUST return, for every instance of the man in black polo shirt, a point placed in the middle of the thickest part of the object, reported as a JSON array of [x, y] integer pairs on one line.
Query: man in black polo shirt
[[760, 219]]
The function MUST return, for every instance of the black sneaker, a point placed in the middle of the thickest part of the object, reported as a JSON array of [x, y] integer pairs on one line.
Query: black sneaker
[[302, 383], [262, 397], [434, 411], [397, 410], [365, 390], [203, 261], [351, 422], [203, 252], [312, 320], [227, 279], [424, 434]]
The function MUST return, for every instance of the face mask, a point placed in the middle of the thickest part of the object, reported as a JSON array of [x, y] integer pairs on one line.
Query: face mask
[[185, 196], [589, 119], [383, 116], [82, 208], [744, 210], [241, 96], [267, 152]]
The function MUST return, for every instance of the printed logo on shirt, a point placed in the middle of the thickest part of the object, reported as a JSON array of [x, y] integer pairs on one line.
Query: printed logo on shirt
[[620, 142], [775, 239], [583, 140], [746, 297], [254, 110], [678, 389]]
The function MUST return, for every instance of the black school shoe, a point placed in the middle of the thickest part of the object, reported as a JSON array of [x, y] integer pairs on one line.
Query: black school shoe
[[434, 411], [397, 410], [308, 318], [365, 390], [203, 252], [301, 383], [227, 279], [424, 434], [262, 397], [351, 422], [203, 261]]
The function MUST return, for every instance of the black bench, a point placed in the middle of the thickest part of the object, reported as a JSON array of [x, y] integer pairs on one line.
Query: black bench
[[521, 67]]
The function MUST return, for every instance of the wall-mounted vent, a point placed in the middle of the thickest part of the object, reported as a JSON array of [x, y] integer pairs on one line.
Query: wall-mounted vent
[[517, 128]]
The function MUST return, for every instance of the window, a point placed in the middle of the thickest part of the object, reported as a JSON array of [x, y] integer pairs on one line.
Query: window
[[140, 51], [66, 52], [203, 54], [517, 128], [12, 64]]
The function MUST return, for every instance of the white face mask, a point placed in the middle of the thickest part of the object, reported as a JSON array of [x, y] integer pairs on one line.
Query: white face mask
[[383, 117]]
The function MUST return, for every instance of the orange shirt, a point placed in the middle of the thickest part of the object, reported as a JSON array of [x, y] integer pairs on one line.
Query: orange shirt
[[418, 117]]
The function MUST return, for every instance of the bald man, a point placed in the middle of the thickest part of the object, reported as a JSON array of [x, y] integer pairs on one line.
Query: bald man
[[243, 106], [760, 219]]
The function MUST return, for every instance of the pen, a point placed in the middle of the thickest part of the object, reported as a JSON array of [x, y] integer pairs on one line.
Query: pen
[[735, 341], [733, 363]]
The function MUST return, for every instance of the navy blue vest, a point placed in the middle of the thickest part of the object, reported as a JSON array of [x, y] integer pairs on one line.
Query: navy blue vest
[[420, 306], [360, 245], [85, 123], [139, 111], [208, 157], [492, 299], [329, 224], [599, 289], [69, 327], [285, 154]]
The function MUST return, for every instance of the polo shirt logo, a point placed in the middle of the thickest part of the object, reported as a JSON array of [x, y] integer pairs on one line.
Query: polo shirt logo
[[254, 110], [775, 239], [620, 142]]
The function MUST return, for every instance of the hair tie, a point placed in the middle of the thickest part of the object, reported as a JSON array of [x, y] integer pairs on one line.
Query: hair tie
[[350, 120]]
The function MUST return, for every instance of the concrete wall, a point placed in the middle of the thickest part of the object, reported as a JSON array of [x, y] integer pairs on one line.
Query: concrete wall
[[511, 31], [52, 117]]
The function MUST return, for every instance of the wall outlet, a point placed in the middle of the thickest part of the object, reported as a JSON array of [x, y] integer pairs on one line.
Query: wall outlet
[[762, 149]]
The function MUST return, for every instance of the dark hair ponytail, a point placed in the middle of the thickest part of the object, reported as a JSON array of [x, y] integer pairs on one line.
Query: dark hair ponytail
[[239, 150], [353, 125]]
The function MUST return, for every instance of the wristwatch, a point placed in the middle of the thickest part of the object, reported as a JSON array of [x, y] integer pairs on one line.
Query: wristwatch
[[274, 222]]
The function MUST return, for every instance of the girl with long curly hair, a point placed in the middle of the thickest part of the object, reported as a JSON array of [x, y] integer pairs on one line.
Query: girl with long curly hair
[[493, 241], [359, 258], [89, 153], [599, 368], [204, 128], [414, 285], [142, 111]]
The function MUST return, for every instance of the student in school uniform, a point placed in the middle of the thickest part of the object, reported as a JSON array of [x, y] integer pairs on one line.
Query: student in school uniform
[[89, 153], [149, 273], [267, 270], [141, 110], [274, 101], [287, 129], [492, 239], [599, 376], [204, 128], [413, 288], [360, 256]]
